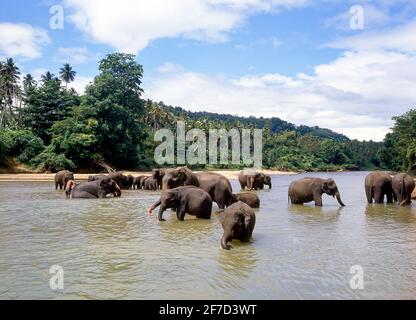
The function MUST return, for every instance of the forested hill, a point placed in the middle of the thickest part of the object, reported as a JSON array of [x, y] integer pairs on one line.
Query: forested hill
[[276, 125], [47, 126]]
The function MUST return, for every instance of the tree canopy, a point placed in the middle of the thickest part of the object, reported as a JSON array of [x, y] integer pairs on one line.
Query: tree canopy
[[48, 127]]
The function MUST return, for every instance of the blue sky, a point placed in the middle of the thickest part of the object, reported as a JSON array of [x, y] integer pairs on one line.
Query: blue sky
[[296, 59]]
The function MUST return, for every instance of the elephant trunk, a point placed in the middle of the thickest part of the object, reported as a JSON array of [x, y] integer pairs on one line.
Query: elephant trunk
[[339, 199], [161, 210], [224, 242]]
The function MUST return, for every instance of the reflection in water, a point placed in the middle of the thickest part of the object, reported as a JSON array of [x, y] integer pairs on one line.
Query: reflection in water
[[390, 212], [112, 248], [316, 213]]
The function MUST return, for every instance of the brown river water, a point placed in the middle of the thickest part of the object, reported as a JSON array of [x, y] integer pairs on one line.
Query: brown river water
[[111, 248]]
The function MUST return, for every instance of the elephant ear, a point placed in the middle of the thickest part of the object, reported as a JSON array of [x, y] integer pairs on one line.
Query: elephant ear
[[325, 187]]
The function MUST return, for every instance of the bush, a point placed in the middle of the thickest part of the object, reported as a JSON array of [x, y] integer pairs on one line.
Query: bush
[[49, 161], [21, 144]]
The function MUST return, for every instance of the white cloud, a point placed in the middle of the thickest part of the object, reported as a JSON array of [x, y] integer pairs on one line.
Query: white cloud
[[357, 94], [169, 67], [373, 17], [74, 55], [135, 23], [401, 38], [22, 40], [80, 83]]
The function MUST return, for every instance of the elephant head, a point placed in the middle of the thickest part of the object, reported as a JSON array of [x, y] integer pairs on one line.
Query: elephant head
[[69, 176], [108, 186], [330, 187], [180, 176], [168, 200], [268, 181]]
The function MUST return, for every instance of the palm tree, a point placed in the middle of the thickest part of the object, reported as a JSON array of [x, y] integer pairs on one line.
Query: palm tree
[[67, 74], [9, 88], [47, 76], [29, 81]]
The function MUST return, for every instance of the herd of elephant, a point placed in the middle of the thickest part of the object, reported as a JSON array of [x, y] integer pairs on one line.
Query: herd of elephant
[[193, 193]]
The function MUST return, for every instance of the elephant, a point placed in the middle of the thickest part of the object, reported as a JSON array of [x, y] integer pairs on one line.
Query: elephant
[[186, 199], [403, 186], [250, 178], [96, 177], [238, 221], [378, 185], [150, 184], [62, 177], [128, 183], [253, 179], [143, 181], [136, 182], [96, 189], [68, 188], [414, 194], [158, 174], [217, 186], [268, 181], [311, 189], [249, 198], [118, 177]]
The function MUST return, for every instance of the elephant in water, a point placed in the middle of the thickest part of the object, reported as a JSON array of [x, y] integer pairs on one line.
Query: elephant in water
[[238, 221], [216, 185], [249, 198], [377, 186], [311, 189], [186, 199], [96, 189], [62, 178], [403, 186]]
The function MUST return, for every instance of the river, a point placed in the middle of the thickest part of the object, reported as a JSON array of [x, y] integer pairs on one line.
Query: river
[[112, 249]]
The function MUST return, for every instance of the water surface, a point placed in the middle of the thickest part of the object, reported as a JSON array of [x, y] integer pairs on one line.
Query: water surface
[[112, 249]]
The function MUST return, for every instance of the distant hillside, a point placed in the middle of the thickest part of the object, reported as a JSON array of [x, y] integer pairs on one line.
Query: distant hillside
[[276, 125]]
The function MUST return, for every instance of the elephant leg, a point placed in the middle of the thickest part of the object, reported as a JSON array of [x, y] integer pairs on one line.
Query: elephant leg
[[318, 200], [369, 194], [56, 186], [389, 197], [378, 197], [180, 213]]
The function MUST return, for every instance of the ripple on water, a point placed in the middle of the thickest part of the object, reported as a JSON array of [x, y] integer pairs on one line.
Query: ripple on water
[[112, 248]]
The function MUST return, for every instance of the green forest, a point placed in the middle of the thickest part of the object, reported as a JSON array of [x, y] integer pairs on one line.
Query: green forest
[[45, 126]]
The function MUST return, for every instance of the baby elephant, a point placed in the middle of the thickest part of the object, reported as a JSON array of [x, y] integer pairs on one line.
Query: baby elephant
[[311, 189], [249, 198], [238, 221], [186, 199]]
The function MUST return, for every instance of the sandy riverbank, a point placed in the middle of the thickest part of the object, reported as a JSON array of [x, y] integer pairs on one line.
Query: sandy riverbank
[[230, 174]]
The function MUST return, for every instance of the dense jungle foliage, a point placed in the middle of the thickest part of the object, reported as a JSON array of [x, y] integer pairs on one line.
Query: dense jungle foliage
[[47, 127]]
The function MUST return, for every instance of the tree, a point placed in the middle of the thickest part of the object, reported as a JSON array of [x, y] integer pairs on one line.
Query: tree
[[47, 76], [67, 74], [10, 103], [46, 105], [28, 82]]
